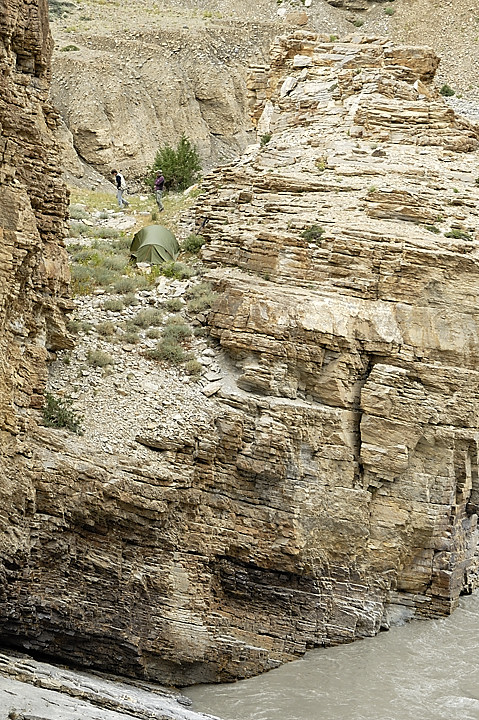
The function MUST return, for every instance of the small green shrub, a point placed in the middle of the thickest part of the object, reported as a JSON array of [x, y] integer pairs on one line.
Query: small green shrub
[[130, 299], [447, 90], [117, 263], [115, 305], [389, 11], [107, 329], [313, 233], [193, 243], [201, 298], [358, 23], [333, 38], [125, 285], [264, 140], [177, 270], [433, 229], [176, 330], [458, 234], [173, 305], [105, 232], [77, 326], [81, 283], [99, 358], [76, 229], [69, 48], [154, 215], [193, 368], [168, 350], [153, 333], [57, 412], [477, 181], [131, 337], [148, 317], [102, 276]]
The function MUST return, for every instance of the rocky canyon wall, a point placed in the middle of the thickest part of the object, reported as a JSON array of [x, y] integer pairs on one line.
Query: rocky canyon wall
[[33, 263], [331, 485]]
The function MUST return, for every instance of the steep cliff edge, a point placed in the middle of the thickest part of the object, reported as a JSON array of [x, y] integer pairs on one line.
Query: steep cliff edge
[[331, 484]]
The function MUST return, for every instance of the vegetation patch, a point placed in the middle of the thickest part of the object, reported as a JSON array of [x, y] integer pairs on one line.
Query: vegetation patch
[[169, 351], [174, 305], [99, 358], [264, 140], [447, 90], [313, 234], [200, 298], [58, 413], [107, 329], [193, 243], [148, 318], [181, 166], [77, 326], [114, 305], [177, 270], [193, 368], [458, 234]]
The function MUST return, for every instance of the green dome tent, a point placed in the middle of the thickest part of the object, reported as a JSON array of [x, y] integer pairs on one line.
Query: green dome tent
[[154, 244]]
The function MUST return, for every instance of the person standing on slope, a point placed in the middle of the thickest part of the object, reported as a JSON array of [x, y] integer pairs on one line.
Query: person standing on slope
[[120, 188], [159, 185]]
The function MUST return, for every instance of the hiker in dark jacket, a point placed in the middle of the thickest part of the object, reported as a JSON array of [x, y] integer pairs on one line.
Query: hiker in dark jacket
[[159, 185], [120, 188]]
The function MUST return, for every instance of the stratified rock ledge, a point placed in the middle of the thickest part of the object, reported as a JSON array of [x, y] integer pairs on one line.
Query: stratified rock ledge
[[32, 690]]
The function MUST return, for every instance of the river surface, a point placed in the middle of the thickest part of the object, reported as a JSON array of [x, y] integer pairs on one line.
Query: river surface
[[425, 670]]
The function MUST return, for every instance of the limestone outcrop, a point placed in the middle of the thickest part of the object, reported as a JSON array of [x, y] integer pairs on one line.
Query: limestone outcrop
[[330, 485]]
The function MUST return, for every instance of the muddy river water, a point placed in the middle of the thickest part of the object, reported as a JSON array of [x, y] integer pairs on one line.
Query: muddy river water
[[425, 670]]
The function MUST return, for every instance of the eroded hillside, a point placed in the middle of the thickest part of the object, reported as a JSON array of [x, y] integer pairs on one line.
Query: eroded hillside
[[140, 74]]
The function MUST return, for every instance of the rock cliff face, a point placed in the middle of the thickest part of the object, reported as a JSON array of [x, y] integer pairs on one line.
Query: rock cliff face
[[33, 264], [349, 313], [331, 485], [33, 205]]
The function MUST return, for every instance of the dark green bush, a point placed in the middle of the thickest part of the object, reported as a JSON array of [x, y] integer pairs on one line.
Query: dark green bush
[[181, 166], [313, 233], [447, 90], [458, 234], [193, 243], [57, 412]]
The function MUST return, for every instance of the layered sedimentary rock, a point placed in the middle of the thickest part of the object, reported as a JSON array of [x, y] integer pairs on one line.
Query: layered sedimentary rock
[[349, 312], [33, 203], [331, 484], [33, 264]]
